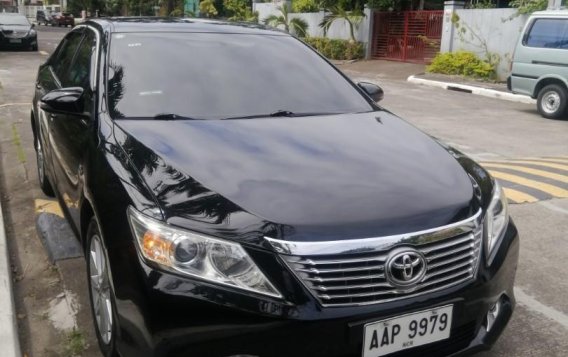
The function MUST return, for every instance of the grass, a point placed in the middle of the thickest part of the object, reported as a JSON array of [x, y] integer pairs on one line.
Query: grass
[[75, 343], [18, 143]]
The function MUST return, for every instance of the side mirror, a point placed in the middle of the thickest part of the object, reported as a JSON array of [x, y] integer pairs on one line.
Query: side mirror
[[374, 91], [63, 101], [33, 25]]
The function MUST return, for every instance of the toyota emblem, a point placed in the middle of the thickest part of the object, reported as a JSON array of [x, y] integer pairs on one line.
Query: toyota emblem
[[405, 268]]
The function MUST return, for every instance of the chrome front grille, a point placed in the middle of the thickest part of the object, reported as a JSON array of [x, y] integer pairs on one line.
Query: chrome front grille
[[14, 34], [359, 278]]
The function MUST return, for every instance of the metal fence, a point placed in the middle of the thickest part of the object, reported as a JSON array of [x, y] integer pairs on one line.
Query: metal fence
[[409, 36]]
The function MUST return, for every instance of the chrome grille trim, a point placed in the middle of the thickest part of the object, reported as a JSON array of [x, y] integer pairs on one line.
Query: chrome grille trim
[[324, 271], [345, 278], [376, 244], [358, 277]]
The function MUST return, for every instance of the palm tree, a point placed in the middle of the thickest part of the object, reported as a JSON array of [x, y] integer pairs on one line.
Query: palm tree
[[298, 25], [353, 18]]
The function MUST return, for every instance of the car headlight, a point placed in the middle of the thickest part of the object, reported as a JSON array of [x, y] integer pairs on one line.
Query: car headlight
[[32, 32], [211, 259], [496, 221]]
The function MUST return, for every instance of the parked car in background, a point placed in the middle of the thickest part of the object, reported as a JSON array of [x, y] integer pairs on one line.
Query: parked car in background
[[540, 62], [233, 208], [62, 19], [43, 17], [17, 32]]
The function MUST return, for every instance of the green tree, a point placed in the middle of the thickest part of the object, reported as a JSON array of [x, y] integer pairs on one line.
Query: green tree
[[240, 10], [298, 26], [529, 6], [207, 8], [305, 5], [353, 19]]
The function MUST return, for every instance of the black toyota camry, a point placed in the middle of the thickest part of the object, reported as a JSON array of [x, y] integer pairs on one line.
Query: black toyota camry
[[17, 32], [237, 195]]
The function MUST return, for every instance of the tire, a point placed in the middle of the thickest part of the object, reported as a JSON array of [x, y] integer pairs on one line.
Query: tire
[[101, 296], [552, 101], [44, 183], [34, 48]]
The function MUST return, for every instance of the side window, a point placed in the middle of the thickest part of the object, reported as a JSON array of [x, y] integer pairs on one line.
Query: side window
[[548, 33], [65, 53], [79, 72]]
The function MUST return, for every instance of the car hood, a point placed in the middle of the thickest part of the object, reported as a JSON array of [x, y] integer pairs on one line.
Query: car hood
[[15, 28], [306, 179]]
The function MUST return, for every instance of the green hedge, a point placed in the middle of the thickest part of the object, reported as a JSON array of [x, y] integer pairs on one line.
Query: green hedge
[[337, 49], [305, 6], [461, 63]]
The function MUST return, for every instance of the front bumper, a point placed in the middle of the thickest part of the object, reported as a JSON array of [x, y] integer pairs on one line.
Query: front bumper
[[25, 42], [181, 317]]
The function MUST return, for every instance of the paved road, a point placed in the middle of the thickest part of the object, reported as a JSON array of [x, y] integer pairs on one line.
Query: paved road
[[49, 37], [529, 154]]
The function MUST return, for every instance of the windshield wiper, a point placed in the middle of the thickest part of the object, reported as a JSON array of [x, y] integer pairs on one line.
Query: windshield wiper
[[173, 116], [281, 113]]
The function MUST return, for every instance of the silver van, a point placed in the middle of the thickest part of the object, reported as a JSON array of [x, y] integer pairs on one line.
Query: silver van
[[540, 62]]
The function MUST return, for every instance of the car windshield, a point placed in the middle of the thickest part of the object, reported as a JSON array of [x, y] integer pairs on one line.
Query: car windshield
[[219, 75], [13, 20]]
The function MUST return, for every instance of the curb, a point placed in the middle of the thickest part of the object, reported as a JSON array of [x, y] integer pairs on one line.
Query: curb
[[8, 327], [485, 92]]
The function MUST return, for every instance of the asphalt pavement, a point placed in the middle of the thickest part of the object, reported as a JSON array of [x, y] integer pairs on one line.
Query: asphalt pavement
[[528, 153], [49, 37]]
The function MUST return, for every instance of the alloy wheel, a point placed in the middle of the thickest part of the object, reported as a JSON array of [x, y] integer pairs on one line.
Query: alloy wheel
[[100, 289], [551, 102], [40, 162]]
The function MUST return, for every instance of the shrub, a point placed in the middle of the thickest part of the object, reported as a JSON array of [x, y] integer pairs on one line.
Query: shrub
[[529, 6], [337, 49], [305, 6], [461, 63], [207, 8], [240, 10], [382, 5]]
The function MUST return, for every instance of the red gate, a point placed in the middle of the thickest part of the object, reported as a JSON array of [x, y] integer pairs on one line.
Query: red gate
[[409, 36]]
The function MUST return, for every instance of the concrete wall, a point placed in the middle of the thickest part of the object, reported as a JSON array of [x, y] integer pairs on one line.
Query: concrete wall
[[498, 28], [339, 29]]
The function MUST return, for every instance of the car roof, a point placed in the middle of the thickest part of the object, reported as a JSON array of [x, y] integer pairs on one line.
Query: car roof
[[172, 24]]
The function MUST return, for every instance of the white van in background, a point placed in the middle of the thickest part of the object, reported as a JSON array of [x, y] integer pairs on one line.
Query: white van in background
[[540, 63]]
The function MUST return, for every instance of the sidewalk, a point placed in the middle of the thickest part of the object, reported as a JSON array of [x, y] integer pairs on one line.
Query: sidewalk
[[8, 335], [377, 70], [461, 84]]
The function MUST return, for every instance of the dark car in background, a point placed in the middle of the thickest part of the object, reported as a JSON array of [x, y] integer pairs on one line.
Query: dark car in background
[[254, 201], [43, 17], [62, 19], [17, 32]]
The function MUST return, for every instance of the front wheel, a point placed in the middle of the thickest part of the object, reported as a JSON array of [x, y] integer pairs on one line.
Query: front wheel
[[552, 101], [100, 291]]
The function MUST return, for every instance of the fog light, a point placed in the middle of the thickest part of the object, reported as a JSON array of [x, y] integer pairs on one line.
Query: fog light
[[492, 315]]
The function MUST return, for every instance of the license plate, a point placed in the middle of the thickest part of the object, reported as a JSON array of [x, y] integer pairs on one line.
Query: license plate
[[15, 40], [408, 331]]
